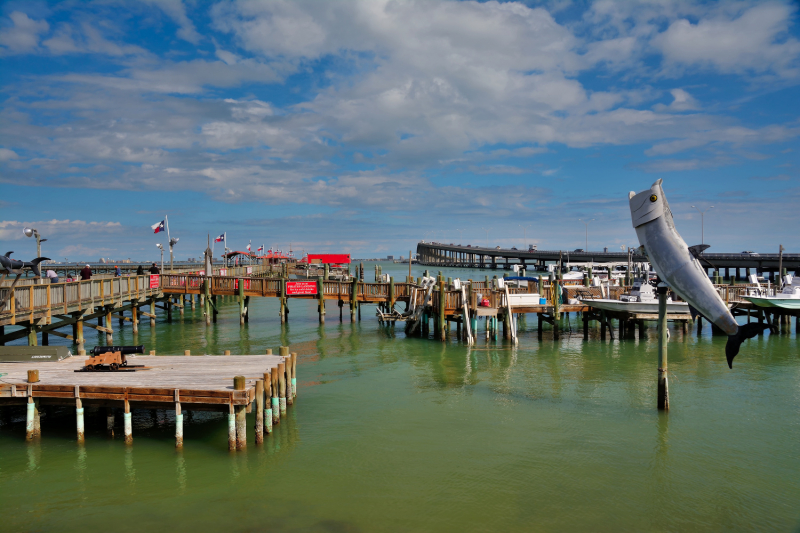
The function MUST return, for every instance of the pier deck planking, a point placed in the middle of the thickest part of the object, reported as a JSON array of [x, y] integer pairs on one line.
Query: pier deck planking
[[196, 379]]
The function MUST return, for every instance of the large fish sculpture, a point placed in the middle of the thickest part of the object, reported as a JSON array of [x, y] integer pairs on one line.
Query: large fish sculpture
[[15, 266], [678, 267]]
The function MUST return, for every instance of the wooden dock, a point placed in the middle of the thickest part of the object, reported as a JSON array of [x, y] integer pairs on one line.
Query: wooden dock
[[230, 384], [44, 309]]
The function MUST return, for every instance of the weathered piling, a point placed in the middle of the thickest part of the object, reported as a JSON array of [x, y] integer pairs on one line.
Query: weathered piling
[[239, 383], [178, 421], [663, 387], [282, 387], [294, 374], [259, 411], [127, 423], [276, 414], [79, 414], [231, 428]]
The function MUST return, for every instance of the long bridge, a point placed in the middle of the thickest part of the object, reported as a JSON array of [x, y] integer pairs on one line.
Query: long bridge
[[452, 255]]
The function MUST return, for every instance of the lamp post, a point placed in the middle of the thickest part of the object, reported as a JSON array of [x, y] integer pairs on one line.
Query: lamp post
[[32, 232], [525, 234], [702, 223], [586, 223], [160, 247]]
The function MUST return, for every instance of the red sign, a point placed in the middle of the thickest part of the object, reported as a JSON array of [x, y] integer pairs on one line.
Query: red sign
[[301, 287], [246, 284], [343, 259], [249, 270], [154, 281], [223, 271]]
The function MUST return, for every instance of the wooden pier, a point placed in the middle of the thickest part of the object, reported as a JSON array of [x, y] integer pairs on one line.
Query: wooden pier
[[44, 309], [230, 384]]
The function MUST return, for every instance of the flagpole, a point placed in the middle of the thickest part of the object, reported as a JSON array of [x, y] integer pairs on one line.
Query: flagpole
[[225, 255]]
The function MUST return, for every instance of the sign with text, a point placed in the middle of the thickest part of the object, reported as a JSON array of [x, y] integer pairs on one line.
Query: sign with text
[[223, 271], [249, 270], [298, 288], [154, 280]]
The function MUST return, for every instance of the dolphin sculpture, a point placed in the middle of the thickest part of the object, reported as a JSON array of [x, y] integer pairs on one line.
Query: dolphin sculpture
[[677, 265], [15, 266]]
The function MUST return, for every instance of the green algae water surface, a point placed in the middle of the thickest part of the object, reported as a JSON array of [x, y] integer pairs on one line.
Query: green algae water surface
[[406, 434]]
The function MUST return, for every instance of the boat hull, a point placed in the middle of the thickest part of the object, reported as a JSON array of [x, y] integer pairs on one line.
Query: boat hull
[[673, 308], [782, 303]]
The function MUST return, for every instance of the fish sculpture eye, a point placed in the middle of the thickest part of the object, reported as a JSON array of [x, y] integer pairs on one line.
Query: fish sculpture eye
[[653, 197]]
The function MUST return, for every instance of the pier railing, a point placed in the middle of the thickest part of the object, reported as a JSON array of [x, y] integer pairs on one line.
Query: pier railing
[[28, 302]]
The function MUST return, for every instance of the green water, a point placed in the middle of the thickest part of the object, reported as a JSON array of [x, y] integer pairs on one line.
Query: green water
[[405, 434]]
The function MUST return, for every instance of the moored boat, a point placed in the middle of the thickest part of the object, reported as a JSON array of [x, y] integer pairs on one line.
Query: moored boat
[[642, 299], [788, 298]]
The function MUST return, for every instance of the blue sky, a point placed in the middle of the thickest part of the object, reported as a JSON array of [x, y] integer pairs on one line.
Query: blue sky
[[364, 127]]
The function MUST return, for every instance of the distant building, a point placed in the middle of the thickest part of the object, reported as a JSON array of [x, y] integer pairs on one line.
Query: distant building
[[390, 258], [402, 258]]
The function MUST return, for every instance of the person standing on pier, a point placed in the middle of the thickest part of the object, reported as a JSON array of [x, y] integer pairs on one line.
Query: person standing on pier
[[52, 276], [86, 272], [154, 269], [117, 271], [140, 271]]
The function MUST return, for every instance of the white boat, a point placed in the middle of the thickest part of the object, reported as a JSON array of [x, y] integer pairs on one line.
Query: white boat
[[642, 299], [788, 298]]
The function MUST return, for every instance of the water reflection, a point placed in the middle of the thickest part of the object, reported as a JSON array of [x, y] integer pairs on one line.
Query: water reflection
[[130, 471]]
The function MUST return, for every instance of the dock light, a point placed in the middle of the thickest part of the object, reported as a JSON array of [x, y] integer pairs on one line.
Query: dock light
[[162, 255], [33, 232], [702, 223]]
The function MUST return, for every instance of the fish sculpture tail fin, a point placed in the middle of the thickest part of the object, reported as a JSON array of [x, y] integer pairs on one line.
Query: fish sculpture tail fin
[[746, 331], [35, 265]]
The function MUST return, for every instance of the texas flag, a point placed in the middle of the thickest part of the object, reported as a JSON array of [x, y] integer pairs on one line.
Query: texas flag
[[157, 227], [220, 238], [260, 248], [248, 246]]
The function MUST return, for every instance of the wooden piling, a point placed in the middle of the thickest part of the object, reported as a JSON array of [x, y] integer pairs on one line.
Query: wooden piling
[[239, 383], [663, 386], [441, 317], [231, 428], [268, 402], [276, 417], [282, 388], [152, 313], [259, 412], [288, 367], [135, 317], [294, 374], [178, 421], [127, 423], [241, 301], [29, 416], [321, 303], [79, 414]]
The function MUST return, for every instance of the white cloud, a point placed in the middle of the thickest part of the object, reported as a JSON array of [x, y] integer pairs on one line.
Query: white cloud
[[24, 35], [6, 154], [681, 101], [12, 229], [177, 12], [752, 41]]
